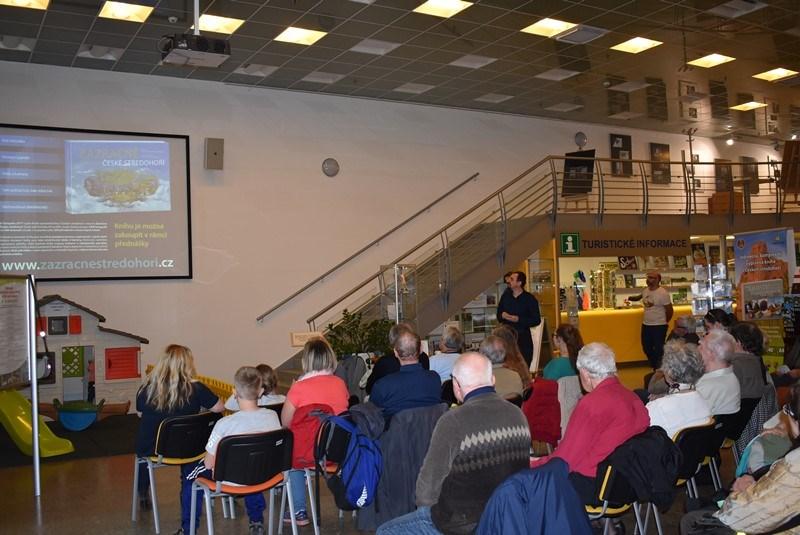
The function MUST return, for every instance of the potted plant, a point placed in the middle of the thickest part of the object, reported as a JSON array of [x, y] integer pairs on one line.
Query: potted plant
[[352, 335]]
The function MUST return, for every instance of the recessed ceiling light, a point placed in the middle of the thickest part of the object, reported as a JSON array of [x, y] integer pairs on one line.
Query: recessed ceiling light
[[775, 74], [442, 8], [557, 75], [255, 69], [319, 77], [472, 62], [711, 60], [493, 98], [413, 88], [375, 47], [730, 141], [564, 107], [213, 23], [629, 87], [549, 27], [123, 11], [636, 45], [736, 8], [625, 115], [747, 106], [100, 52], [13, 42], [300, 36], [30, 4]]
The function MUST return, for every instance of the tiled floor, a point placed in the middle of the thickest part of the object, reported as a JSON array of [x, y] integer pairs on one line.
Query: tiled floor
[[92, 496]]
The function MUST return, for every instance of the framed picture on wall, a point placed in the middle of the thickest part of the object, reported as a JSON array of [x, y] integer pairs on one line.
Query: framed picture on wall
[[578, 173], [723, 174], [659, 152], [750, 172], [621, 150]]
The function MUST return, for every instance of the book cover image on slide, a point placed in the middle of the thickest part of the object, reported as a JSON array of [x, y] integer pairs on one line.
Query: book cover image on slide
[[117, 176]]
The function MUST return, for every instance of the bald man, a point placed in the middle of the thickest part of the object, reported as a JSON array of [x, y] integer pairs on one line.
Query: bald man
[[473, 449]]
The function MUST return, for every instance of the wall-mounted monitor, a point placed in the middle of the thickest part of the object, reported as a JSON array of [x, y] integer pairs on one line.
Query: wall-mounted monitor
[[90, 204]]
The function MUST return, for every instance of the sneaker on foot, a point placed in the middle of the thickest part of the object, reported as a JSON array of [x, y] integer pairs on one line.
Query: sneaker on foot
[[256, 528], [300, 517]]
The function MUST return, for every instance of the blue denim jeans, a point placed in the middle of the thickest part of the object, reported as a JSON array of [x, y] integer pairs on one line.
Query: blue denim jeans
[[414, 523], [297, 480]]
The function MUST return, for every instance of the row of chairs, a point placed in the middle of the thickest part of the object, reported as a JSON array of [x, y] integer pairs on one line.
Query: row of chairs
[[252, 463]]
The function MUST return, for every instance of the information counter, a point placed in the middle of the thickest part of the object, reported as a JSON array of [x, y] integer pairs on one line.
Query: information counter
[[620, 329]]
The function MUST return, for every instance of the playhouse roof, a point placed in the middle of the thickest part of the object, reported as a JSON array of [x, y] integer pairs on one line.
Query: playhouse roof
[[123, 333], [47, 299]]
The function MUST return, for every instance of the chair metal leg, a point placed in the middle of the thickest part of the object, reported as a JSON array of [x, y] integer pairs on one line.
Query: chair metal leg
[[271, 510], [289, 491], [193, 512], [311, 502], [153, 495], [284, 492], [225, 506], [606, 526], [735, 454], [715, 474], [638, 517], [209, 512], [646, 518], [232, 507], [657, 516], [135, 495]]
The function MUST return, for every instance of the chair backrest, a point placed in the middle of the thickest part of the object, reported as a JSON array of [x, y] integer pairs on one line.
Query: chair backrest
[[448, 396], [255, 458], [185, 437], [735, 423], [612, 486], [694, 445]]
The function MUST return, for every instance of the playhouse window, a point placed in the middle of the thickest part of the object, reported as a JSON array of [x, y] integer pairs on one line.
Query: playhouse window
[[122, 363]]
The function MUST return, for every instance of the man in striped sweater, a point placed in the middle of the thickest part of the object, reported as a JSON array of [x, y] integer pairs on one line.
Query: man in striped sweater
[[473, 449]]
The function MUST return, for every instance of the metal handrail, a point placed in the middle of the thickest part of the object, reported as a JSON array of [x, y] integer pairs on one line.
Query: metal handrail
[[368, 246]]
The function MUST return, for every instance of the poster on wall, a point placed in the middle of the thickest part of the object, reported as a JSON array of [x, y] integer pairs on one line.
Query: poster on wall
[[578, 173], [690, 100], [765, 264], [723, 174], [621, 150], [699, 254], [659, 152]]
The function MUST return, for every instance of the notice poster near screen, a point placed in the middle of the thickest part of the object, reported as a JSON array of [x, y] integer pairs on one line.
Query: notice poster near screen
[[80, 204]]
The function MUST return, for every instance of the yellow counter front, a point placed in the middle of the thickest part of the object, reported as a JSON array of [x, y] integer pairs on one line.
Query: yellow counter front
[[619, 328]]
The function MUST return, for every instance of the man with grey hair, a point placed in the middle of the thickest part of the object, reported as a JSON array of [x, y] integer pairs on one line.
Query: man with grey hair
[[507, 382], [608, 415], [719, 385], [472, 450], [450, 349]]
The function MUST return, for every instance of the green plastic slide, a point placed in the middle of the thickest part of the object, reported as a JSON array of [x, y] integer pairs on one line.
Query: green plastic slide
[[16, 416]]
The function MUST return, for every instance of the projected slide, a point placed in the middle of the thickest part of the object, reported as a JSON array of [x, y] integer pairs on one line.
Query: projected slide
[[78, 204]]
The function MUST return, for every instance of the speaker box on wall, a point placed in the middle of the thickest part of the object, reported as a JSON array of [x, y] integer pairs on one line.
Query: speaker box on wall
[[215, 152]]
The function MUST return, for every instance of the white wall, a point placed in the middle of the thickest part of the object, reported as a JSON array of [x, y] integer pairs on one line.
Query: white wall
[[271, 221]]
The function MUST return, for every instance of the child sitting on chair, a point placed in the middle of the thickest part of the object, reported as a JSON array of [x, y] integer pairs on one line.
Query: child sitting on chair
[[249, 419], [268, 396]]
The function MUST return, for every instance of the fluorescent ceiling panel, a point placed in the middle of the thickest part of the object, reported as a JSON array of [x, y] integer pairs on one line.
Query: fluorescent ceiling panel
[[581, 35], [123, 11], [213, 23], [747, 106], [564, 107], [557, 75], [30, 4], [319, 77], [100, 52], [629, 87], [256, 70], [549, 27], [625, 115], [416, 89], [711, 60], [493, 98], [442, 8], [636, 45], [775, 74], [375, 47], [472, 62], [300, 36]]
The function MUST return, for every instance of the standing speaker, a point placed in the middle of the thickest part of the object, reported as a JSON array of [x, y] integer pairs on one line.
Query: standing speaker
[[215, 152]]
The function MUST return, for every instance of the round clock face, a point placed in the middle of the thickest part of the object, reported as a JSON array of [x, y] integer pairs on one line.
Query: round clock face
[[330, 167], [581, 139]]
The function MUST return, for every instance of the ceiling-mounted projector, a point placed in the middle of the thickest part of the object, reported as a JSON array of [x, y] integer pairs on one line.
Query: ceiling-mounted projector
[[194, 50]]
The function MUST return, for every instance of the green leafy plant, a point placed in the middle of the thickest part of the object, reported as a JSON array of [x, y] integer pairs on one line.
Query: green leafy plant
[[354, 335]]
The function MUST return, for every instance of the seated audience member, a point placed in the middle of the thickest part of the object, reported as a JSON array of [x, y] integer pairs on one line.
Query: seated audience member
[[746, 361], [507, 382], [719, 385], [717, 319], [317, 385], [269, 380], [388, 364], [760, 505], [461, 470], [568, 341], [682, 407], [608, 415], [514, 359], [684, 329], [412, 386], [450, 348], [249, 419]]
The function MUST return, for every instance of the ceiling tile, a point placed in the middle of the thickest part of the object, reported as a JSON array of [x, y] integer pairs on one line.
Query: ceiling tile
[[51, 59], [355, 28], [378, 15], [92, 63], [56, 47], [107, 39], [138, 68], [24, 16], [68, 20], [14, 55]]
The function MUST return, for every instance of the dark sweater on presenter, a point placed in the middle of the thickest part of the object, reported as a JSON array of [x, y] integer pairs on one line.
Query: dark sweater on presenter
[[526, 307]]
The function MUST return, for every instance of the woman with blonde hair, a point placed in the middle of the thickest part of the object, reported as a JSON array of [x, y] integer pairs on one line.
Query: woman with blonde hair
[[171, 389], [317, 385], [514, 360]]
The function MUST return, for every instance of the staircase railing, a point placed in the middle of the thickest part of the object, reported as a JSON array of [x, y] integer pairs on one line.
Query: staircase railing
[[601, 186]]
